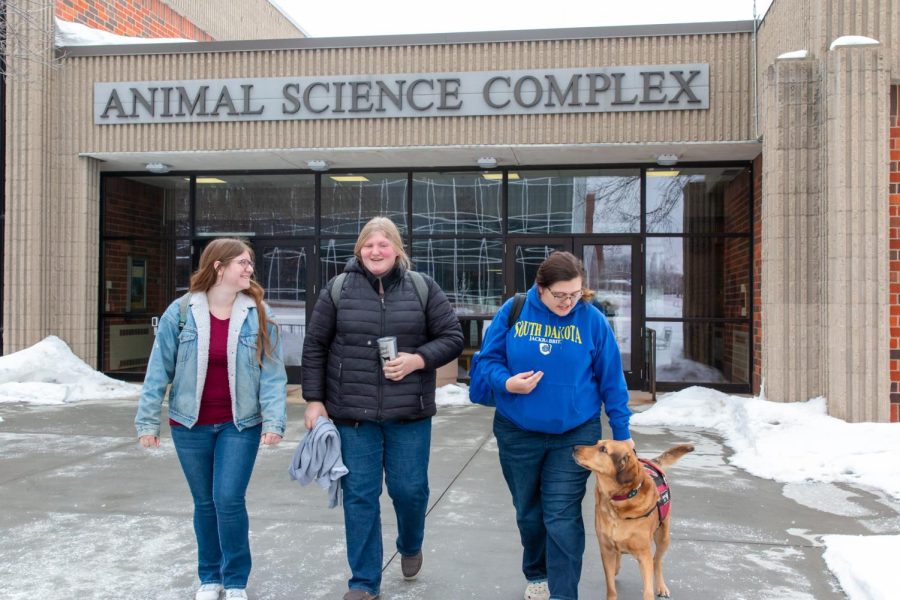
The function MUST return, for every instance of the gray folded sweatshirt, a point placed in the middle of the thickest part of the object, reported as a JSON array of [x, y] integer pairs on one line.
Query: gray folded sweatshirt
[[318, 458]]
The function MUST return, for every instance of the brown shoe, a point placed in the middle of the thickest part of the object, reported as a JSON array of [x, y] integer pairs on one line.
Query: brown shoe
[[359, 595], [411, 565]]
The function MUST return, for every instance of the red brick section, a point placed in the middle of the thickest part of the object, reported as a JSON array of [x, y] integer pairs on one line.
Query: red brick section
[[894, 241], [736, 280], [757, 270], [134, 18], [133, 209]]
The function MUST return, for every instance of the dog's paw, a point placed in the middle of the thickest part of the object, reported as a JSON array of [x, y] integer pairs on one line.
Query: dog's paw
[[662, 591]]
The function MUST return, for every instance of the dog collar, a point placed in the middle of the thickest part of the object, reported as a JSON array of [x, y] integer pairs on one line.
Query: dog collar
[[630, 494]]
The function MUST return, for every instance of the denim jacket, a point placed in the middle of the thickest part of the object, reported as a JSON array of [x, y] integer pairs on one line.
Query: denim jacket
[[258, 394]]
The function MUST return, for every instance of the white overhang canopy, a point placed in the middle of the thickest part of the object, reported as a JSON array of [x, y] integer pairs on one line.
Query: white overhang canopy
[[427, 157]]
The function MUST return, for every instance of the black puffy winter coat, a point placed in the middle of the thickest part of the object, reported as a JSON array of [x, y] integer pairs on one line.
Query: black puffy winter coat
[[341, 363]]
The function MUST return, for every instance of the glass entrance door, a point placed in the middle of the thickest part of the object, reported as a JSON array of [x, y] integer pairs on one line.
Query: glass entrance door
[[284, 271], [610, 265], [610, 270]]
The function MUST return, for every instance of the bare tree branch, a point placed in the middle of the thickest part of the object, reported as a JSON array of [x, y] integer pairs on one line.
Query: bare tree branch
[[27, 37]]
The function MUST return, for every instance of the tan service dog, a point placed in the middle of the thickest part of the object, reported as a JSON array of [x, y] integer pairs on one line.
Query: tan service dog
[[626, 514]]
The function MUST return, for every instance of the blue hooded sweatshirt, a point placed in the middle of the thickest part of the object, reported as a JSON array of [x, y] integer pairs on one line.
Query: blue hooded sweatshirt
[[580, 360]]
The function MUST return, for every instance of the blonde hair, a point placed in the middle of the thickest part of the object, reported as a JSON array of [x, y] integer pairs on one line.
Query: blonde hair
[[388, 229], [223, 251]]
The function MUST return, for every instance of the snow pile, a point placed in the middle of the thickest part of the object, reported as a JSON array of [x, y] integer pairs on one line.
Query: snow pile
[[76, 34], [453, 394], [49, 373], [864, 564], [790, 442]]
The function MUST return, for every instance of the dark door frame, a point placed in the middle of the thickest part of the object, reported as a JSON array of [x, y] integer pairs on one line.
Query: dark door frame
[[636, 375]]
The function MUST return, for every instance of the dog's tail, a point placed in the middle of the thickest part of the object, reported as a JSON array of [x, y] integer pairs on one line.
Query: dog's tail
[[671, 455]]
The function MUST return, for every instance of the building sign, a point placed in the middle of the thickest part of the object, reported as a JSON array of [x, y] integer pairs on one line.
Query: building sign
[[551, 91]]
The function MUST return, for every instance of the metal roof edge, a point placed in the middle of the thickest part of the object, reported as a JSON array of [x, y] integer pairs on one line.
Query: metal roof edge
[[418, 39]]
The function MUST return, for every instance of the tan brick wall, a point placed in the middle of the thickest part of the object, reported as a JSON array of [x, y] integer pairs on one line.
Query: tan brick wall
[[856, 132], [237, 19], [28, 257], [813, 24], [728, 118], [790, 235]]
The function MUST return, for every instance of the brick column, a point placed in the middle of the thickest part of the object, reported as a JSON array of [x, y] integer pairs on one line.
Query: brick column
[[791, 245], [856, 95], [28, 171]]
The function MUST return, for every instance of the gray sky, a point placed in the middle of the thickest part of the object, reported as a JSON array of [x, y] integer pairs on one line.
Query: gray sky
[[368, 17]]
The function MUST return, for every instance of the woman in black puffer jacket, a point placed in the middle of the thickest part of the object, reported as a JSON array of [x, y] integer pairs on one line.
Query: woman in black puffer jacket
[[383, 413]]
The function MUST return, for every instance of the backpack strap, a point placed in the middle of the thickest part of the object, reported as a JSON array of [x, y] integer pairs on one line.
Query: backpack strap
[[515, 310], [182, 310], [337, 287], [421, 287], [418, 281]]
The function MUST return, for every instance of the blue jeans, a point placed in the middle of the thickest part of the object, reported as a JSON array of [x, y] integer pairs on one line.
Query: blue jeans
[[217, 461], [398, 453], [547, 488]]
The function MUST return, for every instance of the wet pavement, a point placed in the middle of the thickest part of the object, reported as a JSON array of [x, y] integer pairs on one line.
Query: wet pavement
[[89, 514]]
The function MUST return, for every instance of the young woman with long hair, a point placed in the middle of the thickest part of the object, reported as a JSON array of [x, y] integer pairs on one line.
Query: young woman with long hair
[[220, 350]]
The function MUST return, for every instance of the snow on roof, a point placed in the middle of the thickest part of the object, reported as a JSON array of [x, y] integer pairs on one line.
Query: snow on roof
[[76, 34]]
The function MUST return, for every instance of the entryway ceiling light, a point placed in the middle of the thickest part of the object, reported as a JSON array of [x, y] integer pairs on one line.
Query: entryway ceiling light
[[667, 160], [317, 164], [349, 178], [487, 162], [158, 167]]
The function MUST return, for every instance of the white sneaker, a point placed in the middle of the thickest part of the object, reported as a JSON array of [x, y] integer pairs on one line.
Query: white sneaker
[[538, 590], [209, 591], [235, 594]]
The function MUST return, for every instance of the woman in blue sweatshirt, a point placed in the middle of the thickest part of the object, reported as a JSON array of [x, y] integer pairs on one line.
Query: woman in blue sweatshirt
[[551, 373]]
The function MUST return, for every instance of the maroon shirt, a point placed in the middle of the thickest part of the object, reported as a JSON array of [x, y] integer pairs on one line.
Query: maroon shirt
[[215, 405]]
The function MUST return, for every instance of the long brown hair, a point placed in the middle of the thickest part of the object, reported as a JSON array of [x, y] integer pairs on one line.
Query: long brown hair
[[223, 251], [388, 229]]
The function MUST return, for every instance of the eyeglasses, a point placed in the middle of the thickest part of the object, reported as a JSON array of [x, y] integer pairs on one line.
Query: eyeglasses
[[574, 297], [245, 263]]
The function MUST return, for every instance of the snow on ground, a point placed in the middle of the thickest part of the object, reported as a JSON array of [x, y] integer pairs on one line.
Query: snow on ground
[[798, 442], [792, 442], [788, 442], [453, 394], [49, 373], [864, 564]]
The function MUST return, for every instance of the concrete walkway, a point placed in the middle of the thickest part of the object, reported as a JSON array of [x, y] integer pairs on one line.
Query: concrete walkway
[[88, 514]]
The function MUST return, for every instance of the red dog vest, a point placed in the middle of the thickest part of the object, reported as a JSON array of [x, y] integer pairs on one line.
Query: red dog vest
[[662, 486]]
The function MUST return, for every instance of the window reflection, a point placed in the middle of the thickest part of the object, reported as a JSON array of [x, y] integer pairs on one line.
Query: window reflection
[[248, 205], [702, 352], [608, 270], [145, 206], [468, 270], [183, 267], [333, 257], [349, 201], [708, 200], [575, 202], [282, 271], [698, 277], [456, 203]]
